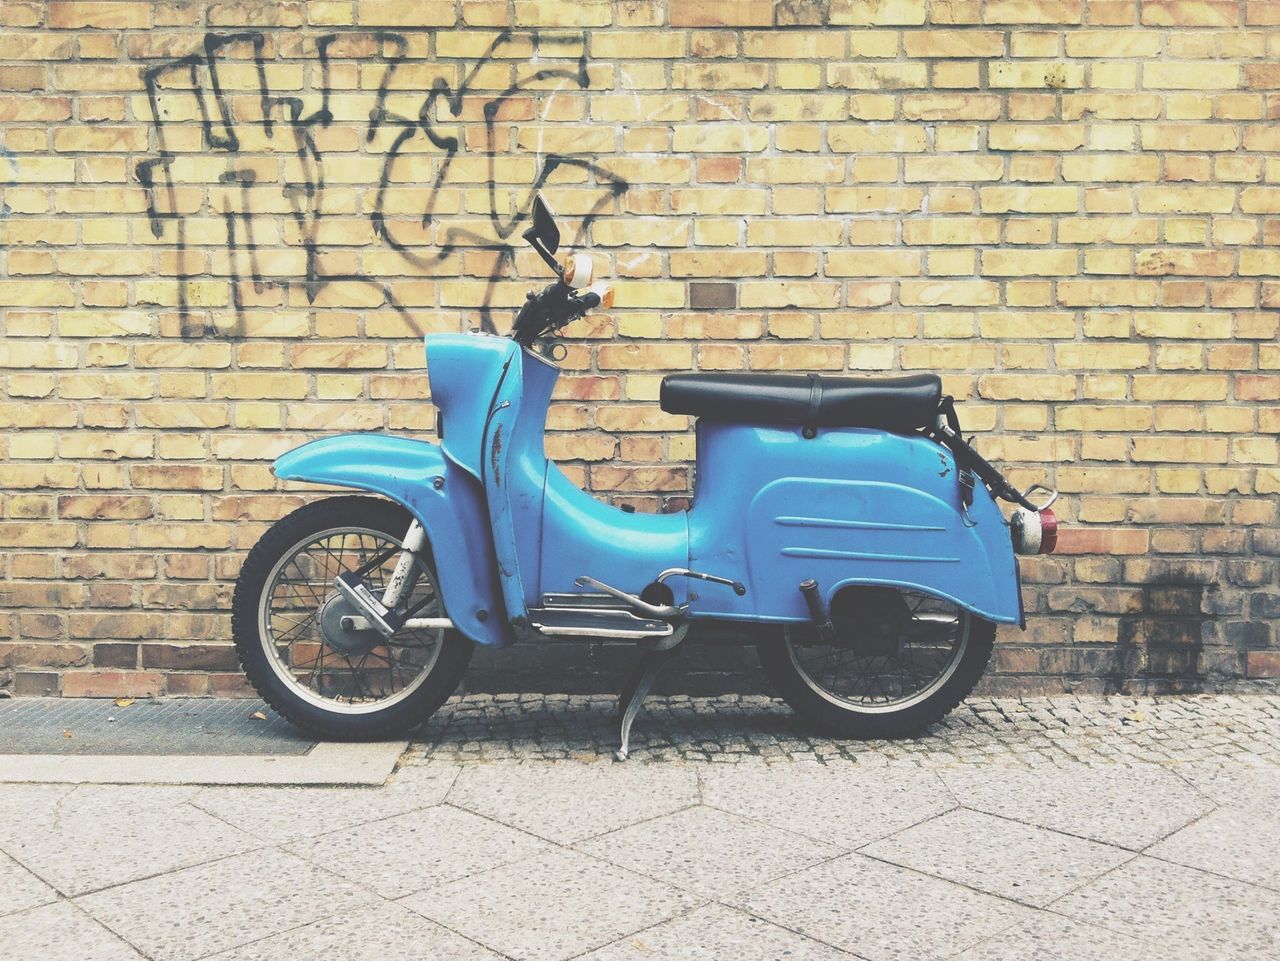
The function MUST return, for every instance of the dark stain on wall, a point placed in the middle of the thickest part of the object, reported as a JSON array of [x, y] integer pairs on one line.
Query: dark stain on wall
[[1163, 649]]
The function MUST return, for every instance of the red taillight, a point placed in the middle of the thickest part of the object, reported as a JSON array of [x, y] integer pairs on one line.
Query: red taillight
[[1048, 531], [1034, 532]]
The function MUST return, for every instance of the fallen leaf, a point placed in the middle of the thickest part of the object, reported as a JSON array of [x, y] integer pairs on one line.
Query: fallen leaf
[[1135, 716], [258, 716], [68, 734], [125, 701]]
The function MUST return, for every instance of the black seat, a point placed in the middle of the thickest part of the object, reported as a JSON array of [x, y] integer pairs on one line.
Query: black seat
[[815, 400]]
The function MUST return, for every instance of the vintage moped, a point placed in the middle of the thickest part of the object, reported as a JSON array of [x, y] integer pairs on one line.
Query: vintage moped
[[842, 523]]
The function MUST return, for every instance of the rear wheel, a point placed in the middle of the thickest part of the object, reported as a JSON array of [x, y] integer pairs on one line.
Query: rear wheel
[[898, 662], [291, 633]]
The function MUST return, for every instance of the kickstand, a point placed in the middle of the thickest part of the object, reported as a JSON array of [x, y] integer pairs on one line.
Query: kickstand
[[634, 691]]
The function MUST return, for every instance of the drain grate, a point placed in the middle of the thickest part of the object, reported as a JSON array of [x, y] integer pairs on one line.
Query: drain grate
[[82, 726]]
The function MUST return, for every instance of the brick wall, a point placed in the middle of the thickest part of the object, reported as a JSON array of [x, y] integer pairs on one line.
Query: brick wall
[[226, 224]]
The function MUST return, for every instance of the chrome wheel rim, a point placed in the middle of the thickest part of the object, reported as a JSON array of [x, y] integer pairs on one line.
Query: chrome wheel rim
[[298, 587], [926, 658]]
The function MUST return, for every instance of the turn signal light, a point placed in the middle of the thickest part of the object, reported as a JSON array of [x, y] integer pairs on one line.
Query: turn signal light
[[577, 270]]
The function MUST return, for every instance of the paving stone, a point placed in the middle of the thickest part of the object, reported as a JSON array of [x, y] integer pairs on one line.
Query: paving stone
[[378, 932], [1023, 732], [281, 814], [60, 932], [1048, 937], [20, 889], [403, 854], [212, 907], [20, 803], [709, 852], [1110, 804], [553, 906], [1013, 860], [716, 933], [844, 804], [880, 911], [1240, 842], [1188, 913], [571, 801], [94, 836], [1251, 785]]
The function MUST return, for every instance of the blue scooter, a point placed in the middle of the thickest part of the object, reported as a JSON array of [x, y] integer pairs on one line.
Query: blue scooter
[[842, 523]]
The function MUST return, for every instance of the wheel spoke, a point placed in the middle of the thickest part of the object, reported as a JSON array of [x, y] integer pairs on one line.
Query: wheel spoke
[[300, 617], [886, 657]]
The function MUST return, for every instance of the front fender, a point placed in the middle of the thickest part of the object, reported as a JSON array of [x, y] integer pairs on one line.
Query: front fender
[[453, 514]]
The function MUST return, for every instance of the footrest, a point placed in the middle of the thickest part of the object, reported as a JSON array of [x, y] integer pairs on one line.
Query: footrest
[[596, 622]]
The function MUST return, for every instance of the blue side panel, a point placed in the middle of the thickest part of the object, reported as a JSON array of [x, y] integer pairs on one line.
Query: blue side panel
[[464, 370], [847, 507], [405, 470], [582, 535]]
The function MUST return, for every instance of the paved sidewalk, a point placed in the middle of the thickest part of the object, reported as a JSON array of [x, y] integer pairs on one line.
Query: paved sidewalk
[[1051, 829]]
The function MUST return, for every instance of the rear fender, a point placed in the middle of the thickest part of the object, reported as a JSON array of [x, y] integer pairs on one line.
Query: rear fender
[[445, 499]]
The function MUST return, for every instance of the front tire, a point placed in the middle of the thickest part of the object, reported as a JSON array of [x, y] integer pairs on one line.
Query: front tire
[[333, 686], [898, 662]]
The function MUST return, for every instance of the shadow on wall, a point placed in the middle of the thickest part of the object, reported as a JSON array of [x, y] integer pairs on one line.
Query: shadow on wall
[[1163, 648], [252, 131]]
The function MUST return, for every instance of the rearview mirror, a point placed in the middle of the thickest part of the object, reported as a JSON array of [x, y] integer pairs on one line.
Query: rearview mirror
[[543, 233]]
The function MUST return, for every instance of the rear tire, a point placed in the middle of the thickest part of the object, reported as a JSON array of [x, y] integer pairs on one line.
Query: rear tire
[[405, 709], [847, 717]]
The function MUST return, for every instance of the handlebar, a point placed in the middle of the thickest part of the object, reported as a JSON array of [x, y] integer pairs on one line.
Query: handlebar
[[551, 308], [589, 300]]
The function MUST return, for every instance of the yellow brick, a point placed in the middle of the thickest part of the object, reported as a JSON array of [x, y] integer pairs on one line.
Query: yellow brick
[[721, 138], [876, 138], [999, 200], [1168, 199], [112, 15], [878, 76], [805, 44], [873, 13], [957, 293], [949, 168], [1034, 11], [786, 293], [1035, 137], [872, 263], [788, 232], [1190, 75], [951, 230], [1018, 263], [1043, 75], [953, 43]]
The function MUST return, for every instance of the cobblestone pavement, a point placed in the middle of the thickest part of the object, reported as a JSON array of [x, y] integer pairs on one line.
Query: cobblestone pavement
[[1008, 731], [1057, 829]]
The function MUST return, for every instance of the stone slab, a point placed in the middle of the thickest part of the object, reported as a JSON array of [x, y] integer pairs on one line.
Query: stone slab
[[328, 763]]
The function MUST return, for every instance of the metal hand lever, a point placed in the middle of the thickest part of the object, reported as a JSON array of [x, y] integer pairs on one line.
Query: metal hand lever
[[1053, 496], [644, 607], [738, 587]]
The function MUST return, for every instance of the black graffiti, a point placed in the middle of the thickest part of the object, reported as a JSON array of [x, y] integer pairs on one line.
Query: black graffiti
[[286, 115]]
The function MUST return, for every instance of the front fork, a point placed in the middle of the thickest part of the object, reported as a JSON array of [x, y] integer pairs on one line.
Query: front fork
[[380, 613], [406, 573]]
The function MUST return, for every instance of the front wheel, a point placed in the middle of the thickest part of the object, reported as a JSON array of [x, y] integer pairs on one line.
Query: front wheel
[[293, 630], [898, 662]]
